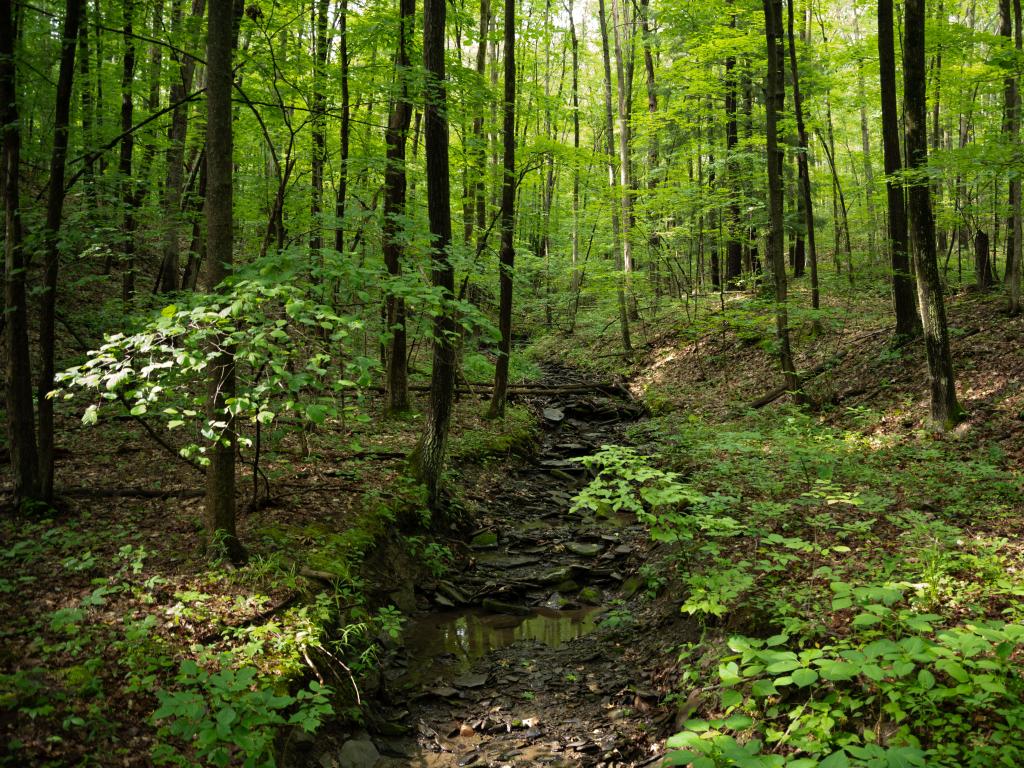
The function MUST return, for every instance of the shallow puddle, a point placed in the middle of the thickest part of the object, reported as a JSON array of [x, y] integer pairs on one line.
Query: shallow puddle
[[448, 643]]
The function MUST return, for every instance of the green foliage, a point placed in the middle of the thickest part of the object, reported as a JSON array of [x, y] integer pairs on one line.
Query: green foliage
[[284, 341], [220, 717], [897, 639]]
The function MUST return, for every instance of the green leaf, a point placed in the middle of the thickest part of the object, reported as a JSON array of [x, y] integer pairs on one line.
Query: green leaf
[[762, 688], [786, 665], [169, 310], [953, 669], [837, 759], [91, 415], [804, 677], [865, 620], [926, 679], [837, 670], [730, 697]]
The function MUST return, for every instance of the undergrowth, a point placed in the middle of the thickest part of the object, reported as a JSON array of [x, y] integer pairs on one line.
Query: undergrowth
[[860, 592]]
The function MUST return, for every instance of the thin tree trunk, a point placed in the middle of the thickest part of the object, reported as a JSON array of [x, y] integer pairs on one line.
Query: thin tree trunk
[[125, 161], [21, 432], [479, 152], [397, 383], [908, 323], [346, 117], [220, 473], [196, 202], [865, 143], [181, 85], [87, 109], [945, 411], [627, 346], [654, 149], [576, 272], [429, 455], [733, 247], [51, 244], [774, 104], [319, 132], [508, 192], [1012, 128], [803, 167], [624, 67]]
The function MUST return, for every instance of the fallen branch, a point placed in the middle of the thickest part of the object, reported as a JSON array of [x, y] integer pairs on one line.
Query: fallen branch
[[133, 493], [259, 618], [816, 371]]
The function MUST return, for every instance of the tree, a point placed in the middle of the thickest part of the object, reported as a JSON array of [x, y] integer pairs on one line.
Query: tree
[[220, 473], [1012, 127], [21, 432], [908, 323], [429, 455], [321, 42], [803, 167], [124, 166], [945, 411], [775, 99], [617, 246], [397, 384], [181, 85], [51, 245], [508, 199], [624, 82], [733, 246]]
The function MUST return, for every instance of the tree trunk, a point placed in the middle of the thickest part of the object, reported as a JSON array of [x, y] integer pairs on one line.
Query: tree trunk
[[733, 247], [319, 132], [865, 144], [908, 323], [196, 203], [775, 99], [576, 270], [124, 167], [627, 346], [1012, 127], [479, 150], [654, 149], [340, 199], [429, 455], [181, 85], [21, 432], [220, 473], [508, 192], [624, 91], [944, 408], [397, 383], [51, 244], [803, 167], [87, 109]]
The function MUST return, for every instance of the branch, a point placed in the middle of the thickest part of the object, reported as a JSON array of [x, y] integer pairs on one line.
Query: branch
[[96, 153]]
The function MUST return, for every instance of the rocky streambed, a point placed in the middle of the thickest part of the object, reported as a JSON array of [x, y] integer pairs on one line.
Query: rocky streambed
[[540, 648]]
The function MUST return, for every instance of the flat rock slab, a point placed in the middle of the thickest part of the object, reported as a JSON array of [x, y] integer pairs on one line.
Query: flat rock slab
[[471, 680], [583, 549]]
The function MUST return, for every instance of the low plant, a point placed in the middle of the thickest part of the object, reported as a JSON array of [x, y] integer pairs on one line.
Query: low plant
[[222, 716]]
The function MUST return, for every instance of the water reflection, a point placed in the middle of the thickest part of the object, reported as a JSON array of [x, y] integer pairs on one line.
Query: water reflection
[[461, 637]]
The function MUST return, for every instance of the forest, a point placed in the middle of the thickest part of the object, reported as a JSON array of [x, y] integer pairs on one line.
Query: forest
[[609, 383]]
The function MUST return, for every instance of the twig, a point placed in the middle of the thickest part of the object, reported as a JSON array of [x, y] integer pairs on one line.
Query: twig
[[159, 440]]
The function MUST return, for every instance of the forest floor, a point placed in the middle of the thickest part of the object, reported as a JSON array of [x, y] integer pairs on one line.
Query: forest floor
[[717, 582]]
